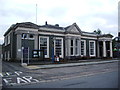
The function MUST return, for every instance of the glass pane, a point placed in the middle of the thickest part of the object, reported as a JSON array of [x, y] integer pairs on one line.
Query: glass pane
[[76, 42], [24, 35], [91, 48], [43, 44], [76, 50], [71, 42], [58, 44], [31, 36], [82, 47], [71, 50]]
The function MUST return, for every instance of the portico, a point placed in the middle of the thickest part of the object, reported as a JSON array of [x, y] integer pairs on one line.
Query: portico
[[105, 46]]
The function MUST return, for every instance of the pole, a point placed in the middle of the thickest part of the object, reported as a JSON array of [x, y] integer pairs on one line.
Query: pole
[[22, 56], [53, 55], [28, 55], [36, 13]]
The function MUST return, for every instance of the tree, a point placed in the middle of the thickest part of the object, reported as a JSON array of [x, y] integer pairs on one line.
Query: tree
[[98, 31]]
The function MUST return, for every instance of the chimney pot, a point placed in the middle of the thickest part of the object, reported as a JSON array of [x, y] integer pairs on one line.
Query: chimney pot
[[46, 23]]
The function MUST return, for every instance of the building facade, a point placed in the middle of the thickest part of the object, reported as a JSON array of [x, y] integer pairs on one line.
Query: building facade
[[116, 47], [65, 42], [0, 51]]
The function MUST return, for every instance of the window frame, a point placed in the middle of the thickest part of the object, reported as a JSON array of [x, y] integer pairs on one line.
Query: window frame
[[23, 35], [94, 53], [76, 47], [72, 47], [46, 56], [32, 37], [84, 54], [8, 39], [61, 46]]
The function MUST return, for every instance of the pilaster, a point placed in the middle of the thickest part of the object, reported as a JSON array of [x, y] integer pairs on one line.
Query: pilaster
[[104, 49], [111, 52]]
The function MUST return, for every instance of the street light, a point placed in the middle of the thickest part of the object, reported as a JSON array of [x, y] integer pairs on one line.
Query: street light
[[28, 50]]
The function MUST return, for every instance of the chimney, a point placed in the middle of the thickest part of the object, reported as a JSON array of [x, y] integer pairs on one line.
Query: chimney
[[57, 25], [46, 23]]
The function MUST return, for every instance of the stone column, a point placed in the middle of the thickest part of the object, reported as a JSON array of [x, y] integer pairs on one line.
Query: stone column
[[98, 49], [36, 41], [68, 46], [19, 48], [104, 49], [74, 46], [79, 46], [111, 52]]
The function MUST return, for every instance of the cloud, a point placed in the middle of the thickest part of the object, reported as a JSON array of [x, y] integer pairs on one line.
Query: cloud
[[88, 14]]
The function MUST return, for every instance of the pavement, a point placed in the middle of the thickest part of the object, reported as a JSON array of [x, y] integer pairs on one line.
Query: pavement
[[33, 67]]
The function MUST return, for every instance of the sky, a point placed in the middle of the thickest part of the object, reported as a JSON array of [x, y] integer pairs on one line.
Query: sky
[[88, 14]]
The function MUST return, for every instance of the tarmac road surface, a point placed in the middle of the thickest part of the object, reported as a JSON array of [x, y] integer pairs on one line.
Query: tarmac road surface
[[14, 75]]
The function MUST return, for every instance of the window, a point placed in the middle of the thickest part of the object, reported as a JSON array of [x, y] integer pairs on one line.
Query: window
[[58, 47], [83, 48], [24, 36], [5, 40], [71, 47], [76, 47], [71, 42], [92, 48], [44, 45], [31, 36], [8, 39], [27, 36]]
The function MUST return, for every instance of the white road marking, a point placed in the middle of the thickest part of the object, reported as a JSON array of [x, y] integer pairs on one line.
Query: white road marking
[[9, 80]]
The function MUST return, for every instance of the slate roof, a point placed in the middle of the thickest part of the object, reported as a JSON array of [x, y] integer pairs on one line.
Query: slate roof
[[23, 24], [105, 35], [89, 32], [67, 27], [52, 27], [56, 27], [27, 25]]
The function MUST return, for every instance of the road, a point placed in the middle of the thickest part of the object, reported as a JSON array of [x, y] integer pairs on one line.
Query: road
[[102, 80], [14, 75]]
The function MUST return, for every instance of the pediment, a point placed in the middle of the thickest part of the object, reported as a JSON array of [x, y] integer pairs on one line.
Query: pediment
[[74, 29]]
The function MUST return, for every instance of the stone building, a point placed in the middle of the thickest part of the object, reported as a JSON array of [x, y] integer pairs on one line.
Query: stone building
[[65, 42]]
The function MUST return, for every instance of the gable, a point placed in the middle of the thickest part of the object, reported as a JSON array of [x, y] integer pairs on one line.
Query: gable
[[73, 29]]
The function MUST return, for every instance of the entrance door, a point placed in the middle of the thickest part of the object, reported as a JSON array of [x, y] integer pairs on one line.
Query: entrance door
[[108, 48], [101, 48]]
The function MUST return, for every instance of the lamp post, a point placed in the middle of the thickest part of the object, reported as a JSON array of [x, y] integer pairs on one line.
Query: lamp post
[[28, 50]]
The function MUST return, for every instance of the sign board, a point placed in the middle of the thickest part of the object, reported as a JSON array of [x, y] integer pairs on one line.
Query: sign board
[[38, 54], [19, 50]]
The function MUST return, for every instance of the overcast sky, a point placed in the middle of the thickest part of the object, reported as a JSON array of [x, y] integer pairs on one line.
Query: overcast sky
[[88, 14]]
